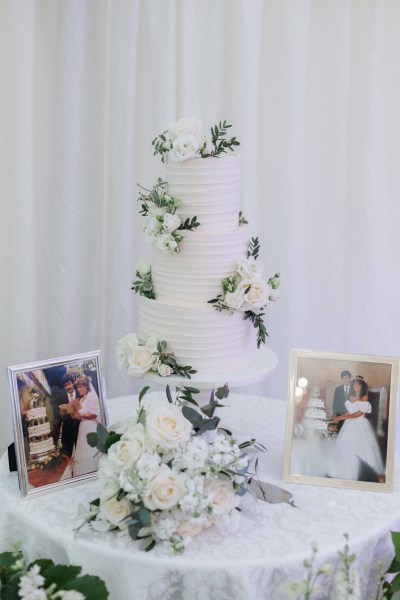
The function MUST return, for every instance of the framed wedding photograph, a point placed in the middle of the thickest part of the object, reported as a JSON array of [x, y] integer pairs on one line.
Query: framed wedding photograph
[[341, 420], [55, 403]]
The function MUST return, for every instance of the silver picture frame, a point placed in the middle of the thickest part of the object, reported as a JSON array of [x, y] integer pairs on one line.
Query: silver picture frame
[[325, 444], [50, 425]]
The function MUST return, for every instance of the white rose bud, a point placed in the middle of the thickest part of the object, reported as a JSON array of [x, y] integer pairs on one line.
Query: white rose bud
[[167, 427], [274, 295], [164, 490], [171, 222], [143, 267], [165, 370], [207, 146], [189, 126], [166, 243]]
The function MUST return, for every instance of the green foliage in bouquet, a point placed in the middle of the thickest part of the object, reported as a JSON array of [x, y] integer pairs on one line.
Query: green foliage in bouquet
[[46, 580]]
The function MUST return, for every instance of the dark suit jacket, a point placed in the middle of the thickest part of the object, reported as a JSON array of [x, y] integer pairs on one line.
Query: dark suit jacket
[[339, 398]]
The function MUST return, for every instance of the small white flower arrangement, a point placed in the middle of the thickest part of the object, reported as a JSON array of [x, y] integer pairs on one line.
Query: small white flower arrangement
[[163, 479], [43, 580], [137, 356], [160, 222], [245, 290], [185, 139], [143, 283]]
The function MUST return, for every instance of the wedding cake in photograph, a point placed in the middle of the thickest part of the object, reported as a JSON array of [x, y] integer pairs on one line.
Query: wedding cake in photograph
[[315, 415], [202, 296]]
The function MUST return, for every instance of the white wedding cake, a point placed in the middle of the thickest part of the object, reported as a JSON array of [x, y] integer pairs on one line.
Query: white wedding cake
[[203, 293], [315, 415]]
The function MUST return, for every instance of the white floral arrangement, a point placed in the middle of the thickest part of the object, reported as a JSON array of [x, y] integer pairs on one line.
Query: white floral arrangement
[[160, 222], [168, 473], [137, 356], [185, 139], [246, 291]]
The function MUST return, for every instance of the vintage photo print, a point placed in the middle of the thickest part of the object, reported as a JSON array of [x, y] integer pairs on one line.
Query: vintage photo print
[[55, 404], [341, 420]]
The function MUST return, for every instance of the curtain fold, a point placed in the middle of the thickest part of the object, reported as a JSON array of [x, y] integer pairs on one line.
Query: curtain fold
[[312, 89]]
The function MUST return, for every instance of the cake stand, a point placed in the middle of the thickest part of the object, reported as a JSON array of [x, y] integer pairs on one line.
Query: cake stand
[[264, 365]]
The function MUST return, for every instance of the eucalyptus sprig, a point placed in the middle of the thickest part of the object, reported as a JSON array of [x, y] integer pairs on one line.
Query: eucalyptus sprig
[[221, 145], [258, 322], [242, 220], [168, 358], [254, 248], [189, 224], [162, 145], [143, 285]]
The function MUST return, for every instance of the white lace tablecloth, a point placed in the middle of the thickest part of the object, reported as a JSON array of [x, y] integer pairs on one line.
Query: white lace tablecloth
[[255, 563]]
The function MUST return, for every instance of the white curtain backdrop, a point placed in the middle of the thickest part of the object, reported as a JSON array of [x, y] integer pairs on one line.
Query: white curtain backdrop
[[313, 91]]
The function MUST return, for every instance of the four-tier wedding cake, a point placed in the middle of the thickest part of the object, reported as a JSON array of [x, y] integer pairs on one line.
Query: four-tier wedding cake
[[202, 297]]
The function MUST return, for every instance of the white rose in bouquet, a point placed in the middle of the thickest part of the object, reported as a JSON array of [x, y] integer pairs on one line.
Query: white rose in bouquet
[[250, 268], [125, 453], [189, 126], [171, 222], [234, 300], [125, 346], [140, 361], [143, 267], [255, 294], [115, 511], [184, 148], [164, 490], [166, 243], [167, 427], [188, 529], [222, 496], [165, 370]]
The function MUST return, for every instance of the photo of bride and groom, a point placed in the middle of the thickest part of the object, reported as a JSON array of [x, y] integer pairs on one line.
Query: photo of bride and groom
[[342, 423], [59, 404]]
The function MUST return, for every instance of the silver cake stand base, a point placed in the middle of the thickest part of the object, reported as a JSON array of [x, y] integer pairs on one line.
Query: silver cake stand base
[[265, 364]]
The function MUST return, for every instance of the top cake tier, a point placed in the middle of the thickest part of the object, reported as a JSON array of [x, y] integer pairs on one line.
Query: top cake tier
[[209, 188]]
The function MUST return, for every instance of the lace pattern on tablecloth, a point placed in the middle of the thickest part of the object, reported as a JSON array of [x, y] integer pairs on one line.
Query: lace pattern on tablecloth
[[256, 562]]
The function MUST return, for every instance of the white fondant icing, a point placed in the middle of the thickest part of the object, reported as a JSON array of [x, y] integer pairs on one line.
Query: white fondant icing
[[36, 413], [208, 340], [39, 429]]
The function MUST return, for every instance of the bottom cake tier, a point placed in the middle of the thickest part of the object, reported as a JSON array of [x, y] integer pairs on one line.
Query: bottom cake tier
[[207, 340]]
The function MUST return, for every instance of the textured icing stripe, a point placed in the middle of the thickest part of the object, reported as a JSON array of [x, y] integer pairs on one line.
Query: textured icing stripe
[[209, 187], [202, 337], [193, 276]]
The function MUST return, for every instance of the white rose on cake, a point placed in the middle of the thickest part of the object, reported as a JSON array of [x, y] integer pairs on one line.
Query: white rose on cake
[[185, 147], [189, 126], [171, 222], [167, 427], [255, 294], [125, 346], [164, 490], [249, 268], [166, 243], [141, 360]]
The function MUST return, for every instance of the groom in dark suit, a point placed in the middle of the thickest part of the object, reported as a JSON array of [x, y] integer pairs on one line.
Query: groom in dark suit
[[341, 395]]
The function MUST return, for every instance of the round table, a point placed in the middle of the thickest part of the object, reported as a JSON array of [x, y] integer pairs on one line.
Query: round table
[[255, 563]]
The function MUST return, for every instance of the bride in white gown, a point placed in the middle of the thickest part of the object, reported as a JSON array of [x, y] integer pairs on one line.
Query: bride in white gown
[[85, 459], [356, 439]]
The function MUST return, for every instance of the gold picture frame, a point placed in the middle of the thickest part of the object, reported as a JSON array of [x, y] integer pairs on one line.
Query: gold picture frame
[[54, 404], [341, 437]]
